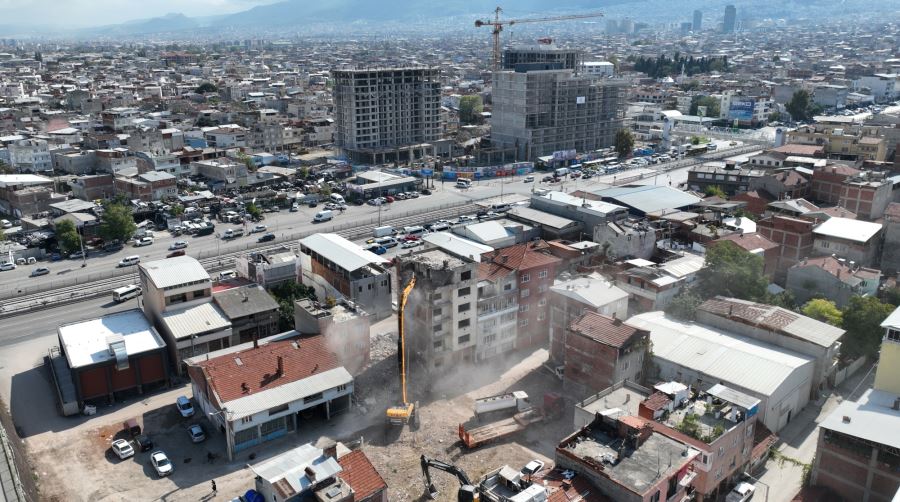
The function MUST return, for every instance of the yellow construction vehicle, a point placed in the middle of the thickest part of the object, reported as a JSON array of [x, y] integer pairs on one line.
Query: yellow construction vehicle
[[405, 413]]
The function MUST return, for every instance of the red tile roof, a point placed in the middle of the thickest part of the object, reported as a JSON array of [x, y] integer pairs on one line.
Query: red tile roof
[[360, 474], [749, 242], [656, 401], [835, 267], [800, 150], [791, 178], [523, 256], [606, 330], [245, 372]]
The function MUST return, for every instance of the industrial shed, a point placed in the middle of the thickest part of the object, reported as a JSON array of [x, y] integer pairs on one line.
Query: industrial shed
[[703, 356]]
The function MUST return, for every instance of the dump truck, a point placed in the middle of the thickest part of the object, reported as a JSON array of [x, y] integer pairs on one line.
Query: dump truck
[[476, 436]]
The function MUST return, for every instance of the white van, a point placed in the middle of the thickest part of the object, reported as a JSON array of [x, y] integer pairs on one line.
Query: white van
[[126, 293], [500, 207], [383, 231], [325, 215], [416, 231], [337, 198], [463, 183], [129, 261], [562, 171]]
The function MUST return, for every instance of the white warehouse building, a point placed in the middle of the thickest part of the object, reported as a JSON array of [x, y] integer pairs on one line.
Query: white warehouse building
[[702, 357]]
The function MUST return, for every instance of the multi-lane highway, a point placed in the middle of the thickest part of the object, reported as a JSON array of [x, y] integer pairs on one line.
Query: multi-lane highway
[[68, 282]]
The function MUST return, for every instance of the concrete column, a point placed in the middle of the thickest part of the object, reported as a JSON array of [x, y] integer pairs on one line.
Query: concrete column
[[137, 376], [110, 396], [328, 410], [873, 464]]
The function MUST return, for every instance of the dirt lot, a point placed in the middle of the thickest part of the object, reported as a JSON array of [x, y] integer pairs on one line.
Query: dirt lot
[[76, 463]]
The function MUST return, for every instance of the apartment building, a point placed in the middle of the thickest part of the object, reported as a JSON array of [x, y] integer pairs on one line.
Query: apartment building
[[571, 299], [832, 278], [731, 179], [388, 114], [794, 237], [536, 269], [338, 268], [856, 241], [441, 313], [498, 310], [842, 141], [599, 351], [541, 108], [177, 298], [30, 156], [890, 262]]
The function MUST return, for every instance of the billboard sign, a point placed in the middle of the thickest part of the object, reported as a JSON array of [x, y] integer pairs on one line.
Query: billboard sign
[[741, 110], [564, 154]]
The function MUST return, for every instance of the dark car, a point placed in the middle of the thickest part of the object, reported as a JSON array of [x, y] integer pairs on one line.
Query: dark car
[[313, 203], [266, 237], [426, 191], [375, 248], [143, 442], [173, 254], [113, 247]]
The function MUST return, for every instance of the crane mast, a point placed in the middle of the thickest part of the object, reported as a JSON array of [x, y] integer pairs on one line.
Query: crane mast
[[497, 27]]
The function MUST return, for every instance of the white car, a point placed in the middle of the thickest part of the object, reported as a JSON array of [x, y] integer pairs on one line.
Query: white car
[[184, 406], [122, 449], [258, 228], [7, 266], [161, 463], [196, 433], [143, 241], [532, 467], [741, 493], [411, 244], [529, 179], [178, 245]]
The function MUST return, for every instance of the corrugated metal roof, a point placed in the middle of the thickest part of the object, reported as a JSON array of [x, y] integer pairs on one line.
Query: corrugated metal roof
[[488, 231], [290, 468], [845, 228], [872, 418], [203, 318], [458, 246], [684, 266], [589, 290], [340, 251], [893, 320], [649, 198], [733, 396], [540, 217], [733, 359], [773, 318], [174, 271], [289, 392]]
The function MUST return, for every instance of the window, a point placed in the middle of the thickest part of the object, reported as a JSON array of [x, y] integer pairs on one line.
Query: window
[[436, 328], [436, 312], [278, 409], [542, 288], [541, 316], [542, 302], [463, 291], [247, 420], [523, 308], [718, 473], [525, 292], [523, 322], [464, 307], [507, 286], [749, 430], [465, 276], [438, 344], [490, 339], [463, 339], [655, 497], [721, 450], [463, 324], [436, 296], [313, 398], [341, 388], [526, 277], [542, 274]]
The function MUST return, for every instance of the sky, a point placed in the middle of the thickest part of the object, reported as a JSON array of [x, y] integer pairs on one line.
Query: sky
[[81, 13]]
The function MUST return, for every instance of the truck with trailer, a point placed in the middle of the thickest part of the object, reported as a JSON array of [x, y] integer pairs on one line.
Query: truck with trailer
[[473, 437], [512, 401]]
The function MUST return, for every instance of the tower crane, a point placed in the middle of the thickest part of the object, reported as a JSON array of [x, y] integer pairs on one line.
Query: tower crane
[[497, 24], [405, 412]]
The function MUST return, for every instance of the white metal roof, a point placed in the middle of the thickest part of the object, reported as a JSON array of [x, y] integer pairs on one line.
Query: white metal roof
[[291, 466], [85, 342], [596, 207], [684, 266], [23, 179], [172, 272], [203, 318], [590, 290], [893, 320], [488, 231], [733, 396], [343, 253], [458, 246], [734, 359], [871, 418], [540, 217], [289, 392], [848, 229]]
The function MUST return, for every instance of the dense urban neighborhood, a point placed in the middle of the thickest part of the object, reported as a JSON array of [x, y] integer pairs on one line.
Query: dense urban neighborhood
[[643, 251]]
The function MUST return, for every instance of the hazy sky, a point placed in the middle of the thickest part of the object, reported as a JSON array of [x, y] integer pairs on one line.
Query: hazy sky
[[98, 12]]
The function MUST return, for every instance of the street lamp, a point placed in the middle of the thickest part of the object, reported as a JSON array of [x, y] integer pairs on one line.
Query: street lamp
[[747, 474]]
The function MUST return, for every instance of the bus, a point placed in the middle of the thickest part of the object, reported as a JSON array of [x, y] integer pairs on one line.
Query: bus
[[126, 293]]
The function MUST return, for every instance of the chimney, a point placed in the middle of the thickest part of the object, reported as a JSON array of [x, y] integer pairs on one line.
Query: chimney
[[846, 419], [280, 370], [310, 473], [330, 450]]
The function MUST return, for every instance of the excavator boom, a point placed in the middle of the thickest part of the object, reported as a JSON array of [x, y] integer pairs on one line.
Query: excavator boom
[[406, 411]]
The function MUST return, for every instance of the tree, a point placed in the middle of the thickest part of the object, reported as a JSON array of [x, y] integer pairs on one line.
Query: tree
[[6, 168], [684, 306], [67, 236], [470, 108], [711, 104], [303, 172], [117, 222], [731, 271], [862, 320], [2, 235], [624, 142], [253, 210], [799, 106], [823, 310], [715, 191], [286, 293], [177, 210], [206, 87], [774, 116]]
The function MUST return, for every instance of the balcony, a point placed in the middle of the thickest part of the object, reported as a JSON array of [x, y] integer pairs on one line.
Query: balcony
[[485, 314]]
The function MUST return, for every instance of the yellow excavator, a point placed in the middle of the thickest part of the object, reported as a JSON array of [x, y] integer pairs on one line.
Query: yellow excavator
[[406, 412]]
